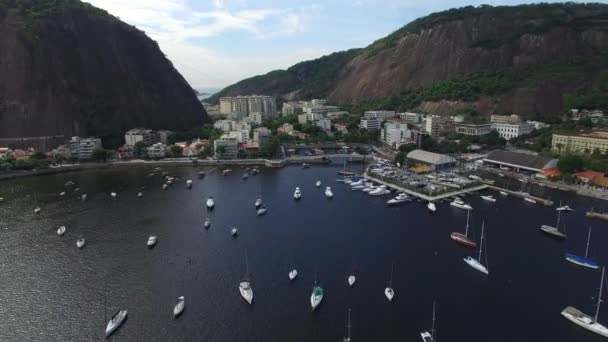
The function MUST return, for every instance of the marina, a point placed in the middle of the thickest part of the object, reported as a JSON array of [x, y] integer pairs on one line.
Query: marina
[[207, 266]]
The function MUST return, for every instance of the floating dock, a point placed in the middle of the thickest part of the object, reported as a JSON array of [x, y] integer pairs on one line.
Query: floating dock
[[597, 215], [546, 202]]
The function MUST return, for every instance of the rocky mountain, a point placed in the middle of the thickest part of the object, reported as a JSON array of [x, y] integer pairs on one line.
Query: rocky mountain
[[535, 60], [68, 68]]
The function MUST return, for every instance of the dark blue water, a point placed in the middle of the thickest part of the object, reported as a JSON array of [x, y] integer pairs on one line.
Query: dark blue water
[[51, 291]]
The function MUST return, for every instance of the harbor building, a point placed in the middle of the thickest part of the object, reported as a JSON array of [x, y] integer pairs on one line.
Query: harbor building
[[519, 161], [580, 142], [434, 161], [83, 148]]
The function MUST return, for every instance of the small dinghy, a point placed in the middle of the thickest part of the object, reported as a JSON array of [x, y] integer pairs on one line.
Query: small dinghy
[[351, 280], [80, 243], [179, 307], [61, 230], [152, 240], [37, 210], [207, 223], [293, 274], [116, 321], [234, 232], [262, 211]]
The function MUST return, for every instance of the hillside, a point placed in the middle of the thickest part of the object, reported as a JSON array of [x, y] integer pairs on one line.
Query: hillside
[[535, 60], [68, 68]]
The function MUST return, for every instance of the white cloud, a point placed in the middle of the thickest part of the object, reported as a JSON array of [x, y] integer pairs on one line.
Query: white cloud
[[174, 25]]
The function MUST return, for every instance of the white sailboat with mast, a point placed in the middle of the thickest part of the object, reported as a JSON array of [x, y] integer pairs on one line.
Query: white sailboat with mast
[[245, 285], [583, 261], [347, 338], [429, 336], [554, 231], [476, 263], [584, 321], [388, 291]]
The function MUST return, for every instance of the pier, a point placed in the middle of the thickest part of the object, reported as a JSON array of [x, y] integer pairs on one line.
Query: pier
[[596, 215], [425, 197], [546, 202]]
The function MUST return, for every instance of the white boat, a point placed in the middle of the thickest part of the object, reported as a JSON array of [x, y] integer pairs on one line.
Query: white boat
[[585, 321], [328, 192], [262, 211], [432, 207], [112, 194], [318, 184], [207, 223], [152, 241], [473, 177], [210, 203], [429, 336], [583, 261], [140, 195], [503, 193], [476, 263], [488, 198], [234, 232], [245, 285], [357, 183], [258, 202], [62, 193], [165, 187], [554, 231], [500, 175], [293, 274], [189, 184], [37, 210], [564, 208], [457, 203], [116, 321], [388, 291], [369, 188], [297, 194], [61, 230], [80, 242], [358, 187], [400, 198], [179, 307], [316, 296], [351, 280], [245, 176], [226, 172], [380, 191], [347, 338], [529, 200]]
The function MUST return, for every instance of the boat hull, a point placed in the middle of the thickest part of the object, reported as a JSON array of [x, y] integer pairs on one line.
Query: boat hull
[[582, 261], [389, 293], [584, 321], [463, 240], [474, 263], [552, 232]]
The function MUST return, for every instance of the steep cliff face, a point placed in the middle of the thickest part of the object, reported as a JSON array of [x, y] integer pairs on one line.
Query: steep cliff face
[[75, 70], [523, 59]]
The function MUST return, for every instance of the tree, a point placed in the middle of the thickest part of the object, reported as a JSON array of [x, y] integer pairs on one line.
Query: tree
[[175, 151], [406, 148], [220, 151], [101, 155], [38, 156], [139, 149], [570, 164], [241, 154], [59, 159]]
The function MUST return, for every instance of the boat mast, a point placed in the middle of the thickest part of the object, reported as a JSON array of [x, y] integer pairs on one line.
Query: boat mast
[[466, 232], [246, 265], [433, 326], [559, 215], [481, 244], [390, 283], [348, 326], [588, 240], [599, 297]]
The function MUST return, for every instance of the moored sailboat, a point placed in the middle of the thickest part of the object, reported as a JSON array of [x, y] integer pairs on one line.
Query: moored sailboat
[[476, 263], [554, 231], [583, 261], [429, 336], [245, 285], [388, 291], [585, 321], [179, 307], [464, 238], [347, 338]]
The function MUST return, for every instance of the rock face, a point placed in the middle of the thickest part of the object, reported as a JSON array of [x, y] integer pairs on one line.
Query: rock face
[[79, 71], [463, 42]]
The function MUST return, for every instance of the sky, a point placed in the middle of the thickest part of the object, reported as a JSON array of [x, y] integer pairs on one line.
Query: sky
[[214, 43]]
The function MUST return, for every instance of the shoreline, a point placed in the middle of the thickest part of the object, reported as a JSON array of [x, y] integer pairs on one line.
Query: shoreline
[[272, 163]]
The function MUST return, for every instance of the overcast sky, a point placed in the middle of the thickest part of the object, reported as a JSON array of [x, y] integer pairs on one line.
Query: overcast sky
[[214, 43]]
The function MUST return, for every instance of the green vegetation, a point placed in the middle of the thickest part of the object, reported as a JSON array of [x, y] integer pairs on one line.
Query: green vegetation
[[175, 151], [539, 18], [101, 155], [204, 132], [35, 161]]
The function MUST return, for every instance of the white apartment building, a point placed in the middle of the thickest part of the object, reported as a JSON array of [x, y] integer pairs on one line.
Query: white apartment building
[[336, 115], [293, 107], [510, 119], [254, 118], [231, 148], [473, 129], [538, 124], [324, 124], [248, 104], [241, 136], [156, 150], [136, 135], [509, 131], [380, 114], [261, 135], [433, 125], [371, 123], [224, 125], [82, 148], [412, 118], [302, 118], [395, 134]]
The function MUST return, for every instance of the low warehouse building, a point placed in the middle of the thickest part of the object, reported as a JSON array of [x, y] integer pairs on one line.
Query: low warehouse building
[[520, 161], [435, 160]]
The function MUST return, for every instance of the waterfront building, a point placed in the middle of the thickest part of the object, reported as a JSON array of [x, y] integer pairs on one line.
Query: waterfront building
[[509, 131], [136, 135], [248, 104], [285, 128], [580, 142], [435, 161], [473, 129], [381, 115], [230, 148], [395, 134], [261, 135], [520, 161], [506, 119], [370, 123], [157, 150], [82, 148], [324, 124]]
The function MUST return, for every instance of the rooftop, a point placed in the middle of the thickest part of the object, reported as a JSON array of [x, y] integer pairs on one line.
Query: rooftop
[[587, 134], [518, 159], [430, 157]]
